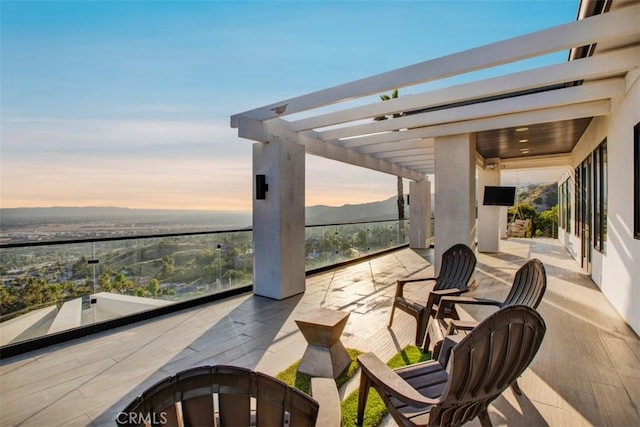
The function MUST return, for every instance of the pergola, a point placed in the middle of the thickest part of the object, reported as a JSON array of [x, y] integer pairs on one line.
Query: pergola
[[466, 136]]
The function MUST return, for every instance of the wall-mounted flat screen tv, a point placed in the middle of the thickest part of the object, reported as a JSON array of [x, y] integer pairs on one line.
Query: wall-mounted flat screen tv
[[499, 196]]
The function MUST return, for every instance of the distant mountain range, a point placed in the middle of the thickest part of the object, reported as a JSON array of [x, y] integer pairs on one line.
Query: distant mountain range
[[542, 197], [16, 217], [373, 211], [114, 217]]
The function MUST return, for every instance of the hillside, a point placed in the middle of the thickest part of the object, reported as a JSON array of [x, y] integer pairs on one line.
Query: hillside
[[541, 196], [373, 211]]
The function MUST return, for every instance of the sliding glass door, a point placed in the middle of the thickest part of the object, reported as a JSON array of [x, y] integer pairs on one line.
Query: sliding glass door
[[583, 211]]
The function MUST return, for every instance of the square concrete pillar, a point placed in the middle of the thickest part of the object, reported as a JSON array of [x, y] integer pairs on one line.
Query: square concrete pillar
[[278, 220], [420, 214], [455, 194], [503, 216], [488, 216]]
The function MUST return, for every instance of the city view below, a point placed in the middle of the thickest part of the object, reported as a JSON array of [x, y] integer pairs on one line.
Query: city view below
[[64, 268], [73, 223], [21, 225]]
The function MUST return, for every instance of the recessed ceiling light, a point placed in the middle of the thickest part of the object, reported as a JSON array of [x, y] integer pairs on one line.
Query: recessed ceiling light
[[524, 140], [521, 129]]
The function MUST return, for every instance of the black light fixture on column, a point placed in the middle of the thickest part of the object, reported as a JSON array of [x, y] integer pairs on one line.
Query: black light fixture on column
[[261, 187]]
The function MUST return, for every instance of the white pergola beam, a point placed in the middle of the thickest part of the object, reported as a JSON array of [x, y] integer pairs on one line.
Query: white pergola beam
[[553, 98], [422, 164], [428, 170], [278, 130], [395, 146], [404, 153], [582, 69], [576, 111], [613, 25], [401, 159]]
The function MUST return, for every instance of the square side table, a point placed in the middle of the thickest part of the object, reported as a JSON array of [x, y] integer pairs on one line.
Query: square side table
[[325, 356]]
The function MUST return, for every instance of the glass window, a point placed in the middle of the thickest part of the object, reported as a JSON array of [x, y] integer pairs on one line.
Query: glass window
[[561, 206], [636, 181], [567, 198], [596, 198], [578, 202], [564, 205], [600, 197], [604, 196]]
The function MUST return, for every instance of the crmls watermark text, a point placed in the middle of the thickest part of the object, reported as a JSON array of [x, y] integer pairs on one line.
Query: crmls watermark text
[[137, 418]]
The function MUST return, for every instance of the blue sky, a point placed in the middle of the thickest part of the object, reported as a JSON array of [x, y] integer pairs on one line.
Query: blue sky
[[125, 103]]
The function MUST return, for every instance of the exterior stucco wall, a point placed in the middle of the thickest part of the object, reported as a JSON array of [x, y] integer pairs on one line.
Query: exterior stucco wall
[[617, 271]]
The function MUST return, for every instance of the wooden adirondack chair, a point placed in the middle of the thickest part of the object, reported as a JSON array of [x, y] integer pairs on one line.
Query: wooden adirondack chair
[[481, 366], [458, 264], [528, 288], [232, 396]]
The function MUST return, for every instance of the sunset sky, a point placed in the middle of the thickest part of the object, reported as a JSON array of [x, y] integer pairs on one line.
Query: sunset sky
[[127, 103]]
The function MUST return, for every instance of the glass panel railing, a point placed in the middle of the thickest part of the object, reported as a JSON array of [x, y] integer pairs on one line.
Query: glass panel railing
[[145, 273], [37, 282], [52, 287], [432, 225], [331, 244]]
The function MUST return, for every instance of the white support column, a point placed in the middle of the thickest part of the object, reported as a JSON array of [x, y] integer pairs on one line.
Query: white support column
[[278, 220], [488, 216], [502, 221], [420, 214], [455, 176]]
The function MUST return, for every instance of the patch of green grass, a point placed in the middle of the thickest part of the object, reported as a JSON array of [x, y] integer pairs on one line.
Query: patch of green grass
[[375, 409], [408, 356], [302, 382]]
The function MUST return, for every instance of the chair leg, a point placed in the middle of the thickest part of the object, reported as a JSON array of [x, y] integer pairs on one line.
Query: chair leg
[[485, 421], [436, 351], [363, 393], [516, 388], [427, 342], [427, 336], [393, 310], [421, 328], [419, 336]]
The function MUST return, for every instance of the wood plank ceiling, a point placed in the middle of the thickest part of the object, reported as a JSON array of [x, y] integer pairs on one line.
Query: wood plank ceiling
[[531, 140]]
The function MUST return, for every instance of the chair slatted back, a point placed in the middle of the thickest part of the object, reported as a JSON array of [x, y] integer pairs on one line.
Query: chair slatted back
[[234, 396], [529, 285], [457, 266], [488, 360]]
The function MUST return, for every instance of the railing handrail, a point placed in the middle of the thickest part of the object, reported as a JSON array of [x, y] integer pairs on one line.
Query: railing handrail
[[162, 235]]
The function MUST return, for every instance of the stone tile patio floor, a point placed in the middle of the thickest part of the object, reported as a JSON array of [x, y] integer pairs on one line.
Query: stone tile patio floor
[[586, 373]]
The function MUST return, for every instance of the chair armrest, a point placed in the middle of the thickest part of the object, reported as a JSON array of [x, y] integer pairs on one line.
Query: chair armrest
[[325, 392], [402, 282], [384, 377], [461, 325], [415, 279], [448, 292], [449, 342], [449, 300], [435, 297]]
